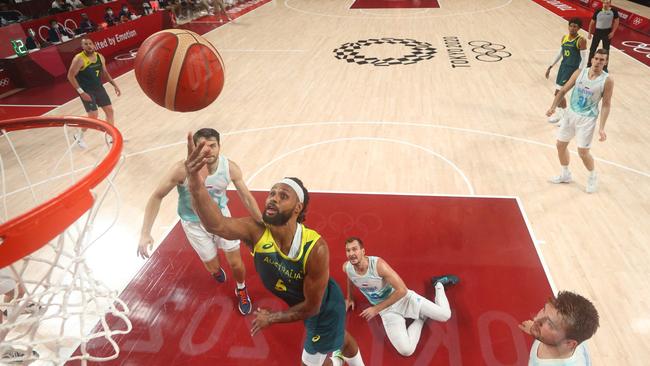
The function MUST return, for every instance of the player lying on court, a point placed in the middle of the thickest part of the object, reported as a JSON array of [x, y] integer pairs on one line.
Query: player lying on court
[[390, 298], [218, 172], [291, 259]]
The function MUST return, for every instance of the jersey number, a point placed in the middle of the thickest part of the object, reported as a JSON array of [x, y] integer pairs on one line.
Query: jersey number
[[97, 71], [567, 53], [279, 286]]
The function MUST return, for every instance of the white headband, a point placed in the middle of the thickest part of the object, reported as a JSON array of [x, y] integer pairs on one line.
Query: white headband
[[296, 188]]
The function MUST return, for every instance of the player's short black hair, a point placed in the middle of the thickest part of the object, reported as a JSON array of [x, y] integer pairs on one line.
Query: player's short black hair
[[206, 133], [576, 21]]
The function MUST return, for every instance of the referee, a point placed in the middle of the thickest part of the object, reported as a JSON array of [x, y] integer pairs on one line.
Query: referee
[[605, 22]]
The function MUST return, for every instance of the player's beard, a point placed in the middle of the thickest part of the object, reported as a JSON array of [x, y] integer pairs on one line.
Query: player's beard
[[279, 219]]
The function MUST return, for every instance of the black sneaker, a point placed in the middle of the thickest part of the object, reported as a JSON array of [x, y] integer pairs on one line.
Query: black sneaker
[[446, 280], [17, 356], [220, 276]]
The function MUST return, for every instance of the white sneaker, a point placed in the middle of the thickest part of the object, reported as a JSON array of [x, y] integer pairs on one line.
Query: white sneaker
[[17, 356], [562, 178], [555, 118], [592, 183], [80, 141]]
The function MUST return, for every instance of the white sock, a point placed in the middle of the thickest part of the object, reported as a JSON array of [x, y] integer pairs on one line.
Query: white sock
[[592, 173], [565, 170], [241, 285], [356, 360], [336, 361]]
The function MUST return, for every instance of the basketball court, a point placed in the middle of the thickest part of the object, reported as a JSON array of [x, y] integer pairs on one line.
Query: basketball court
[[421, 129]]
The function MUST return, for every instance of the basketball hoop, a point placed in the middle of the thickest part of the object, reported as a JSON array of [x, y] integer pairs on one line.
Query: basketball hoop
[[43, 248]]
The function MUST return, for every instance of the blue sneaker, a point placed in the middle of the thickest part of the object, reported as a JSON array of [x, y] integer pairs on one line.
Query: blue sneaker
[[220, 276], [245, 306], [446, 280]]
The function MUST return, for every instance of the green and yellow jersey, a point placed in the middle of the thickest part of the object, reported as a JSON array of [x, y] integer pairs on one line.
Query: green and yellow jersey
[[89, 76]]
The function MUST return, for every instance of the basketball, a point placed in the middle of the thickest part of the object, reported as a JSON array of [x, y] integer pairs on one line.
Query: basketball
[[179, 70]]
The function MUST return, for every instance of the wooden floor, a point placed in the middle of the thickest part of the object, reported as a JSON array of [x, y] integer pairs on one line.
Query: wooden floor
[[291, 108]]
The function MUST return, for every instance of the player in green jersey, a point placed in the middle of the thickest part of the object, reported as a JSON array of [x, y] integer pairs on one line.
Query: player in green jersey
[[291, 259]]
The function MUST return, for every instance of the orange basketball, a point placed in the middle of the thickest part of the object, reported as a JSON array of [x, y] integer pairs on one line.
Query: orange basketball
[[179, 70]]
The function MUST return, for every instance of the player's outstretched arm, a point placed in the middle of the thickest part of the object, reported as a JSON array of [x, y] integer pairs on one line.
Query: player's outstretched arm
[[606, 106], [176, 175], [316, 278], [349, 300], [565, 89], [246, 229], [389, 274], [244, 194], [108, 76]]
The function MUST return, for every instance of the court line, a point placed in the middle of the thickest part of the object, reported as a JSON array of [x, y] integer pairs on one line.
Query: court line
[[29, 105], [536, 244], [402, 124], [305, 147], [258, 50], [508, 2]]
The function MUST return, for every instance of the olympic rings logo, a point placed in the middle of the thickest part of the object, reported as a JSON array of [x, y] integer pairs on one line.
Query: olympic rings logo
[[4, 82], [64, 26], [489, 52], [638, 47]]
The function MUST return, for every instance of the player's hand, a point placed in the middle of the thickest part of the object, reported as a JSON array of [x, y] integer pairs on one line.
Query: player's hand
[[550, 112], [610, 36], [261, 321], [525, 326], [548, 72], [349, 304], [589, 36], [86, 97], [118, 92], [196, 159], [603, 135], [146, 244], [369, 313]]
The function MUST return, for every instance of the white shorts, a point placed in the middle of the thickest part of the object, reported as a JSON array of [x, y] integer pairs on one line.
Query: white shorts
[[573, 124], [7, 281], [408, 306], [204, 243], [316, 359]]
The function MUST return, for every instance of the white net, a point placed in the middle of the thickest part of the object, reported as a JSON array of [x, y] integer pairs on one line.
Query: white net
[[50, 301]]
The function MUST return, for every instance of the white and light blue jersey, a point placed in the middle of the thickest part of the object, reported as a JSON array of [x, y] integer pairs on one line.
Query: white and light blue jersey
[[586, 94], [216, 185], [374, 287], [580, 357]]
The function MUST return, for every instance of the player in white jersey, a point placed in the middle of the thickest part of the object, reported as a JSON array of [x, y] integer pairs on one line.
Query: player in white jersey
[[592, 85], [391, 299], [560, 329], [220, 171]]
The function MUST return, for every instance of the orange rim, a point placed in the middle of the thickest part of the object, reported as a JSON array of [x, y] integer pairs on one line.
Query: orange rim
[[28, 232]]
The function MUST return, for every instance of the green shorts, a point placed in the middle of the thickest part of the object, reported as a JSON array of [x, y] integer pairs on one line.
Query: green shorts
[[326, 330], [564, 74]]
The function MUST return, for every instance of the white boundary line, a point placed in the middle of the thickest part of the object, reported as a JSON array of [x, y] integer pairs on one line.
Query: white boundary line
[[508, 2], [389, 123], [536, 244], [345, 139]]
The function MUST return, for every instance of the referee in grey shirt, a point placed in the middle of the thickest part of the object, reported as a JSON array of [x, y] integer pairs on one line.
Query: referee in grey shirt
[[605, 22]]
